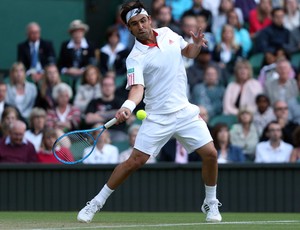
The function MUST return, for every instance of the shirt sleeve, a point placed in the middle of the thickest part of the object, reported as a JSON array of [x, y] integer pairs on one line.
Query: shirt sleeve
[[134, 73]]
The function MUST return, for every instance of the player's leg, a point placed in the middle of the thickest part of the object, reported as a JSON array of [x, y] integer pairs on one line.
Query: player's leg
[[211, 204], [119, 175]]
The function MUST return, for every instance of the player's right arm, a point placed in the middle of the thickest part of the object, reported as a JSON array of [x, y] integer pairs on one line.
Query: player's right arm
[[135, 96]]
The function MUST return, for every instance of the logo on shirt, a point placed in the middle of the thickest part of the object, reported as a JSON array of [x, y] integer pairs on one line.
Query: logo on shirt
[[170, 42], [130, 76]]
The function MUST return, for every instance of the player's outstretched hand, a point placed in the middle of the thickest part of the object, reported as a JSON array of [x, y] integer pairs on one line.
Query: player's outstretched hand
[[122, 115], [199, 38]]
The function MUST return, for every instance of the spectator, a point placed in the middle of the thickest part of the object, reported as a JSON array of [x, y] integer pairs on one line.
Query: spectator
[[156, 5], [20, 93], [37, 121], [104, 152], [295, 157], [45, 154], [104, 109], [264, 113], [78, 52], [188, 24], [9, 115], [64, 116], [202, 23], [165, 19], [15, 148], [291, 18], [212, 6], [294, 41], [35, 53], [244, 134], [209, 93], [221, 18], [275, 150], [227, 152], [274, 36], [246, 6], [3, 103], [50, 80], [113, 54], [260, 17], [284, 87], [241, 93], [227, 51], [281, 111], [132, 132], [294, 105], [89, 88], [198, 9]]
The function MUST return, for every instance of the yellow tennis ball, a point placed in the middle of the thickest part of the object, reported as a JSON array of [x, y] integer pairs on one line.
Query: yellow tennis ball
[[141, 114]]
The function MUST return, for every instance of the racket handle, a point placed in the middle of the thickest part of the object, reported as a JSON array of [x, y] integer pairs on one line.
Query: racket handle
[[110, 123]]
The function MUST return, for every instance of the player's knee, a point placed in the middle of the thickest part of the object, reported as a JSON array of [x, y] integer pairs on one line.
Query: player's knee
[[210, 155], [134, 163]]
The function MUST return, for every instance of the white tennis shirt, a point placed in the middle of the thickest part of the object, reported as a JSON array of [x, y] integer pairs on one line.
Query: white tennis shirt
[[160, 69]]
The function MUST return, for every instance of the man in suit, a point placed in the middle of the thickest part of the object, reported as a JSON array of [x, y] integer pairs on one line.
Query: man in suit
[[35, 53]]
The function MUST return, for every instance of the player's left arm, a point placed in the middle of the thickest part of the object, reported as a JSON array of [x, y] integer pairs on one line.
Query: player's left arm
[[193, 49]]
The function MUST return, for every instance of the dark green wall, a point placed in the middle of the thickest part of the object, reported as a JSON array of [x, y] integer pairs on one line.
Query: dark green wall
[[54, 17]]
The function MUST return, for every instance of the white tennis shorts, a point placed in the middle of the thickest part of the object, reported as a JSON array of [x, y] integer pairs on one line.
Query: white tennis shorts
[[185, 125]]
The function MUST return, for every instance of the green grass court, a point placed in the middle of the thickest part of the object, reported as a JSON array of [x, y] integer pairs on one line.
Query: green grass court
[[147, 221]]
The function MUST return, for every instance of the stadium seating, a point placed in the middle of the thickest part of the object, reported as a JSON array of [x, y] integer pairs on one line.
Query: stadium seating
[[227, 119]]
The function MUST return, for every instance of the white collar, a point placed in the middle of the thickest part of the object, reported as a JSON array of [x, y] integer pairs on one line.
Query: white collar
[[83, 44], [8, 140]]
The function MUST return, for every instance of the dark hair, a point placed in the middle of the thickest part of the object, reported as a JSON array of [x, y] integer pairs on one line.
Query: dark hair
[[296, 137], [110, 31], [126, 7], [275, 9], [215, 131], [259, 96]]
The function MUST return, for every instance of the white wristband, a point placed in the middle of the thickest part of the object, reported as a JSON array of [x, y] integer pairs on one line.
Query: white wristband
[[129, 105]]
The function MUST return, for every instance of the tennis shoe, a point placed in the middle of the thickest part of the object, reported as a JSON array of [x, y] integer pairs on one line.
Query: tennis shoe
[[87, 213], [211, 209]]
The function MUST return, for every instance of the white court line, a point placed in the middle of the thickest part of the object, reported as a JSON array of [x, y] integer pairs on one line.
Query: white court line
[[171, 225]]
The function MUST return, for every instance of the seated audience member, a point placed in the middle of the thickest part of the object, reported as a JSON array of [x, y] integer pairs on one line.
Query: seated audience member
[[246, 6], [221, 18], [35, 53], [295, 157], [113, 54], [291, 18], [165, 19], [20, 93], [260, 17], [103, 109], [89, 88], [227, 51], [209, 93], [284, 87], [45, 154], [179, 7], [227, 152], [3, 103], [202, 22], [270, 70], [76, 53], [15, 148], [50, 79], [264, 113], [294, 105], [241, 93], [132, 132], [281, 111], [104, 152], [9, 115], [64, 116], [274, 150], [37, 121], [244, 134], [294, 41], [274, 36], [241, 34]]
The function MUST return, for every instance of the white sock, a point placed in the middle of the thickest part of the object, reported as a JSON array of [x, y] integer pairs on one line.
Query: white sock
[[103, 195], [210, 193]]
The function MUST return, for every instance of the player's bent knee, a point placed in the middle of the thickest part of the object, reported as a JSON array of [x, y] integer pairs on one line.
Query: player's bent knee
[[208, 152], [137, 160]]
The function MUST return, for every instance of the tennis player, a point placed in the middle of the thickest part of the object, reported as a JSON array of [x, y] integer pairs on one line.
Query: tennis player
[[155, 65]]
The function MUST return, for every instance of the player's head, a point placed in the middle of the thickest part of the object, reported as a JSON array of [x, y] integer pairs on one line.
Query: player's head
[[135, 16]]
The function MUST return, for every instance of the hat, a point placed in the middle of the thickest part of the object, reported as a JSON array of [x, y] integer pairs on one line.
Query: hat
[[78, 25]]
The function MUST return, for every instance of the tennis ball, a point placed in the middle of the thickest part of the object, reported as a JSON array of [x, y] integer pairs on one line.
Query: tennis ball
[[141, 114]]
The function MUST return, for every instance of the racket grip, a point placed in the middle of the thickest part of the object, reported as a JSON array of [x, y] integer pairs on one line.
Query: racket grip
[[110, 123]]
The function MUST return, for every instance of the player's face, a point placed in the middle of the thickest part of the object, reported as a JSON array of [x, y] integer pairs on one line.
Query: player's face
[[140, 27]]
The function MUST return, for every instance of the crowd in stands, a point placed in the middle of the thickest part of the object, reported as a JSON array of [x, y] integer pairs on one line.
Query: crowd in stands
[[246, 83]]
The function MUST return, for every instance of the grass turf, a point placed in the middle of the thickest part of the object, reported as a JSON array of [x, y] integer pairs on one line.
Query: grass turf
[[145, 221]]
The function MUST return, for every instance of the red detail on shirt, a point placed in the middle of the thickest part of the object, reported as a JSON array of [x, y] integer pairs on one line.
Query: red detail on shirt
[[153, 44]]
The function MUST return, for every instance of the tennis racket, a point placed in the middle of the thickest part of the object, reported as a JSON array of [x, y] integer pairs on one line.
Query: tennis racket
[[81, 144]]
